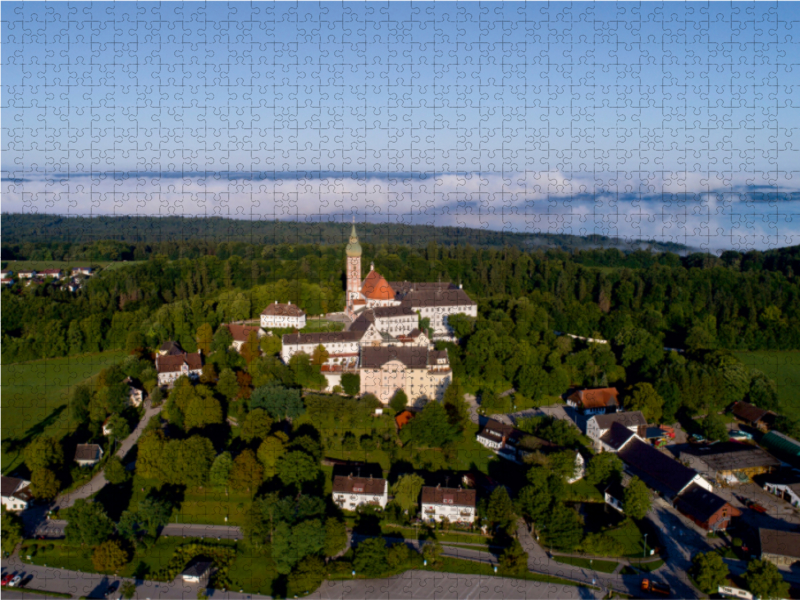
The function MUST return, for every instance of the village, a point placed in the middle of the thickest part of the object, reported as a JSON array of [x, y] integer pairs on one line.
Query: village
[[737, 496]]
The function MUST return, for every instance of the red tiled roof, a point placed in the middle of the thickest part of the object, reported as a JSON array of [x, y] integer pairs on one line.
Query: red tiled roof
[[358, 485], [170, 364], [240, 333], [454, 496], [600, 397], [377, 288], [283, 310], [403, 418]]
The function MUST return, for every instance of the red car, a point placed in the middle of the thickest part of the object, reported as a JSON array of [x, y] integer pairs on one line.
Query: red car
[[6, 579]]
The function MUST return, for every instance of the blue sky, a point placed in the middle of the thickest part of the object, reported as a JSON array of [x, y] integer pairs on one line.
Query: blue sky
[[576, 115]]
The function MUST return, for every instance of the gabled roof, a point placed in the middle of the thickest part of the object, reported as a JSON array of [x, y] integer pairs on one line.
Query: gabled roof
[[782, 543], [333, 337], [748, 412], [448, 496], [702, 504], [375, 287], [87, 452], [596, 398], [241, 333], [655, 468], [369, 486], [173, 363], [413, 357], [283, 310], [197, 567], [385, 312], [617, 436], [171, 348], [497, 431], [403, 418], [627, 419], [430, 297], [730, 456], [13, 487]]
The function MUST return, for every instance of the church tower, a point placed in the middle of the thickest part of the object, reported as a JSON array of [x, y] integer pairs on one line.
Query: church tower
[[353, 266]]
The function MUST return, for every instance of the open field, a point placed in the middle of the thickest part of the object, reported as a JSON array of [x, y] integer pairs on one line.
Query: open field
[[35, 396], [38, 265], [783, 367]]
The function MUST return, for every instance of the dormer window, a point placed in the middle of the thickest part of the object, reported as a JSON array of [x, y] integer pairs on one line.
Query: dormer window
[[359, 489]]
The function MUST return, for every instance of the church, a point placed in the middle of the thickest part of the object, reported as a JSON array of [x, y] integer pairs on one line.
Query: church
[[383, 342], [395, 305]]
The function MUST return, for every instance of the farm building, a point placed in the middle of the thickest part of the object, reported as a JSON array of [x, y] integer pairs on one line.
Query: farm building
[[781, 548], [753, 416], [706, 509], [595, 402], [782, 446], [661, 473], [787, 486], [730, 463]]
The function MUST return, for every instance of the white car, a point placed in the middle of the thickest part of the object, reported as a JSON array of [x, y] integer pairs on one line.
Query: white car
[[15, 582]]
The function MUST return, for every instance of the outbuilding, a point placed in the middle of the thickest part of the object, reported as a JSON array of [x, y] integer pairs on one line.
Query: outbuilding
[[88, 455], [197, 571], [781, 548], [706, 509], [730, 463]]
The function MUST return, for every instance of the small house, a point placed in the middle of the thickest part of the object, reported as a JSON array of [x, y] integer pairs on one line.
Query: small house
[[170, 348], [753, 416], [27, 274], [706, 509], [595, 402], [15, 493], [786, 486], [88, 455], [781, 548], [281, 316], [83, 271], [171, 367], [197, 571], [135, 391], [351, 492], [241, 333], [456, 505], [598, 425], [52, 273]]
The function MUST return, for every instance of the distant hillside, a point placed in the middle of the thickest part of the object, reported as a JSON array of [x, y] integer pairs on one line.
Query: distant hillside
[[25, 228]]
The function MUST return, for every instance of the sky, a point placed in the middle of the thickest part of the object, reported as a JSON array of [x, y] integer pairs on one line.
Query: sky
[[668, 121]]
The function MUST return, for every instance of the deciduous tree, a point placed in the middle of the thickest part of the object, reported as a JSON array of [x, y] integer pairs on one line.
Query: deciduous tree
[[644, 397], [295, 468], [115, 472], [406, 491], [765, 581], [257, 425], [709, 571], [109, 557], [44, 484], [636, 500], [371, 557], [335, 536], [246, 473], [43, 453], [87, 524], [351, 383], [205, 338]]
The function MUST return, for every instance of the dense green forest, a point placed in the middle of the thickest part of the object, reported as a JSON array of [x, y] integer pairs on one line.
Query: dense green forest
[[736, 301], [54, 237]]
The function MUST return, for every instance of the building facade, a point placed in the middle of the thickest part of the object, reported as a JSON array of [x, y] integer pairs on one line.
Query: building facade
[[15, 493], [279, 316], [598, 425], [351, 492], [420, 372], [241, 333], [455, 505], [171, 367]]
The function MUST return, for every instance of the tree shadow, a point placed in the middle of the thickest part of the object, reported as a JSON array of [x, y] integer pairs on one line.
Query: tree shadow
[[115, 498]]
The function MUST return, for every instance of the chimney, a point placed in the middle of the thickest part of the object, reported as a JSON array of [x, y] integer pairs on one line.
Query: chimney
[[290, 302], [371, 266]]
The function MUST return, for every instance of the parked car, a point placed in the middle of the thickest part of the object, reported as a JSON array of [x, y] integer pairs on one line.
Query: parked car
[[111, 589], [15, 582], [6, 579], [697, 438], [737, 434]]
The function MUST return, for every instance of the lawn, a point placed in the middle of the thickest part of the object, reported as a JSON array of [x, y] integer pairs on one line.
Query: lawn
[[410, 533], [36, 394], [629, 535], [372, 456], [56, 553], [207, 506], [253, 574], [783, 367], [603, 566], [583, 491]]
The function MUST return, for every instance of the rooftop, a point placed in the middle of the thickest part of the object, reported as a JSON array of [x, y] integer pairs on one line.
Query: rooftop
[[172, 363], [87, 452], [444, 495], [730, 456], [370, 486], [702, 504], [617, 436], [782, 543], [628, 419], [283, 310], [596, 398], [655, 468]]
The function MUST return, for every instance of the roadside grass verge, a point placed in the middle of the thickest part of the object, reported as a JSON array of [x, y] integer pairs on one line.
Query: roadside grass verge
[[603, 566]]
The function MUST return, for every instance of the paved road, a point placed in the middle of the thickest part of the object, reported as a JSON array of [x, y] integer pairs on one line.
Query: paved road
[[98, 481], [55, 529]]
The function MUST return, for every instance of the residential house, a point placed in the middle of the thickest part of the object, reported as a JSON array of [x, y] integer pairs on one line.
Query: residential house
[[614, 493], [107, 431], [595, 401], [135, 391], [350, 492], [52, 273], [512, 444], [599, 425], [754, 416], [281, 316], [7, 280], [661, 473], [781, 548], [241, 333], [15, 493], [83, 271], [706, 509], [28, 274], [6, 273], [88, 455], [170, 367], [730, 463], [422, 373], [170, 348], [616, 438], [783, 447], [785, 485], [198, 570], [457, 505]]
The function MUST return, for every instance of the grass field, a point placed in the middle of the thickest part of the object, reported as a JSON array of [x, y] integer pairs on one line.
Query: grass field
[[35, 396], [603, 566], [783, 367]]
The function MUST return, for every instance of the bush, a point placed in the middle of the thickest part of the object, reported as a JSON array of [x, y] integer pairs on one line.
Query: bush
[[109, 557]]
